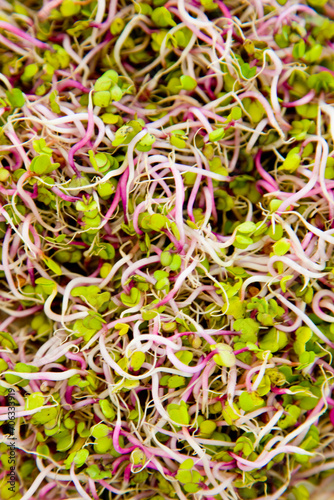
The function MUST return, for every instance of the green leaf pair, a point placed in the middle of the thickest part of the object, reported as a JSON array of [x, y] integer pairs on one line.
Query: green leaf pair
[[77, 381], [249, 329], [306, 395], [15, 97], [107, 410], [216, 164], [92, 295], [230, 289], [41, 148], [155, 222], [79, 458], [42, 417], [250, 401], [42, 165], [7, 341], [274, 340], [34, 400], [242, 242], [254, 109], [29, 72], [132, 299], [127, 132], [225, 356], [246, 228], [217, 135], [53, 266], [172, 382], [292, 413], [207, 428], [189, 476], [69, 8], [100, 430], [225, 202], [162, 17], [245, 445], [301, 128], [88, 326], [184, 356], [106, 89], [246, 71], [281, 247], [87, 205], [137, 360], [64, 439], [303, 335], [236, 308], [231, 413], [178, 139], [146, 143], [102, 162], [105, 251], [292, 160], [95, 473], [179, 413], [181, 38]]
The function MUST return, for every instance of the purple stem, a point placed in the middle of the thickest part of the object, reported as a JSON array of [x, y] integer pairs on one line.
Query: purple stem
[[64, 196], [68, 394], [303, 100], [267, 177], [122, 184], [21, 34], [64, 84]]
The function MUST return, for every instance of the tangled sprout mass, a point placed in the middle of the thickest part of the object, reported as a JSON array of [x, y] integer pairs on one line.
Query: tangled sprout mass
[[167, 230]]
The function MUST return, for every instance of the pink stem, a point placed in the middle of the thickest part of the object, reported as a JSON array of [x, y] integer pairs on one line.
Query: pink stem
[[303, 100], [21, 34]]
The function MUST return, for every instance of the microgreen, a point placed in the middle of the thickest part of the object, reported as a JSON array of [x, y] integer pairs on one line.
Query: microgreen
[[42, 165], [217, 135], [188, 476], [281, 247], [250, 401], [246, 71], [162, 17], [137, 360], [92, 295], [69, 8], [127, 132], [34, 400], [16, 98], [184, 356], [166, 244], [231, 412], [102, 162], [273, 341], [290, 417], [132, 299], [178, 139], [188, 82], [225, 356], [292, 161], [179, 413]]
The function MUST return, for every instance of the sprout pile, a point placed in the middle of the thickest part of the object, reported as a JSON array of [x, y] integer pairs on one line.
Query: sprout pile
[[167, 230]]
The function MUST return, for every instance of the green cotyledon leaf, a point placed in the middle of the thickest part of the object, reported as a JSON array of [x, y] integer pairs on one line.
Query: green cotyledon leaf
[[127, 132], [179, 413], [225, 356], [250, 401]]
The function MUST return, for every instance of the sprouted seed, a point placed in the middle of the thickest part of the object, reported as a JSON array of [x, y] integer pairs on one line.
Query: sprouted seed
[[167, 235]]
